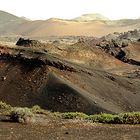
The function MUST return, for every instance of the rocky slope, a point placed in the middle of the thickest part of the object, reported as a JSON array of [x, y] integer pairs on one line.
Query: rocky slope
[[30, 76]]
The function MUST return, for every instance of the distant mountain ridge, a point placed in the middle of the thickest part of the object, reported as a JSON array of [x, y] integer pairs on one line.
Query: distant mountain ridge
[[90, 17], [7, 17], [9, 23], [85, 25]]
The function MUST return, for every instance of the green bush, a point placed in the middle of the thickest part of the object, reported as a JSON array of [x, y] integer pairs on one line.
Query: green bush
[[38, 110], [22, 115], [105, 118], [74, 115], [93, 118], [131, 118], [101, 118], [118, 119], [127, 118], [4, 105]]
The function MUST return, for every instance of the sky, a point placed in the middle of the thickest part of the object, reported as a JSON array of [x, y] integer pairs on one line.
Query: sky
[[68, 9]]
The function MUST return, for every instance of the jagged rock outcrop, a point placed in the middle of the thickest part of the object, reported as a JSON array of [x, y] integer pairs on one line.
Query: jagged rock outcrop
[[123, 46], [28, 43], [125, 37]]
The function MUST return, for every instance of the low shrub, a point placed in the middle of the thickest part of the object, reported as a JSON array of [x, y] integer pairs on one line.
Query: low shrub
[[38, 110], [21, 115], [4, 105], [118, 119], [131, 118], [74, 115], [126, 118], [101, 118]]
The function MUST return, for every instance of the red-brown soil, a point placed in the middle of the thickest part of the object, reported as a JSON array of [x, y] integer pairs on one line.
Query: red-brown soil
[[70, 130]]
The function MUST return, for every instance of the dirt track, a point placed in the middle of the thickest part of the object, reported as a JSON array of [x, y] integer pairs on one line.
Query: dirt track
[[68, 130]]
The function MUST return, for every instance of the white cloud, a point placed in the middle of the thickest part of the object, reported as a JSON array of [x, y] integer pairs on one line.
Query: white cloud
[[44, 9]]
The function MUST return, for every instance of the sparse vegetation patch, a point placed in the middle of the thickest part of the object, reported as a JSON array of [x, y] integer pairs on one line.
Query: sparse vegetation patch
[[26, 115], [126, 118]]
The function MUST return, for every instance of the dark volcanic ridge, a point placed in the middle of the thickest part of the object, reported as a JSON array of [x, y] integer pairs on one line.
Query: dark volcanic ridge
[[31, 76]]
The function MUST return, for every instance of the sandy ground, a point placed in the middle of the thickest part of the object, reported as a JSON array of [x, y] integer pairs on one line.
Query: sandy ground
[[68, 130]]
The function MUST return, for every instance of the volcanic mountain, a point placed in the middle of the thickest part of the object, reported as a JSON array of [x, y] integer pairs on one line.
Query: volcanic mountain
[[90, 17], [9, 22], [87, 25]]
